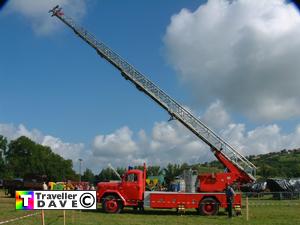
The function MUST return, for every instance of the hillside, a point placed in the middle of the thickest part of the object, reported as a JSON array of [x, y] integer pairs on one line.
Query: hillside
[[283, 164]]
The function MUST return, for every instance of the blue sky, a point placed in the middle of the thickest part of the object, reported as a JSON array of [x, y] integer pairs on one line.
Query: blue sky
[[234, 64], [56, 83]]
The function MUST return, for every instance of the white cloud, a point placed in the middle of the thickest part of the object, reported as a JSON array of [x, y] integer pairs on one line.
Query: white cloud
[[262, 139], [216, 116], [171, 142], [168, 142], [36, 11], [67, 150], [242, 52], [12, 132], [117, 144]]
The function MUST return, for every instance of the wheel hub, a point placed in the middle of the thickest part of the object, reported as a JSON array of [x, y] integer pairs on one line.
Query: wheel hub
[[111, 205]]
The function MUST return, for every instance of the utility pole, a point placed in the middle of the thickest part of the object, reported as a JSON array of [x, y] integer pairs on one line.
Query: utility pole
[[80, 160]]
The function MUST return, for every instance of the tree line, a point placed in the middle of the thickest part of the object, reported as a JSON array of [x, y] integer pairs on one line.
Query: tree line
[[23, 157], [169, 172], [282, 164]]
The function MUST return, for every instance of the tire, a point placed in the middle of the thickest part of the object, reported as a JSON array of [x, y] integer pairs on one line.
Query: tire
[[208, 206], [12, 192], [111, 204]]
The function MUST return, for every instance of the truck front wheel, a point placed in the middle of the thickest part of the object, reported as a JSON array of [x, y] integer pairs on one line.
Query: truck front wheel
[[111, 204], [209, 207]]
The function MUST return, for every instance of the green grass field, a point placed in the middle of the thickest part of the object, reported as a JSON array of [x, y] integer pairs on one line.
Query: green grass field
[[260, 212]]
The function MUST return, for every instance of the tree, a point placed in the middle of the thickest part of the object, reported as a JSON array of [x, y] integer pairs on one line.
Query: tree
[[108, 174], [3, 146], [88, 176], [24, 157], [184, 167], [154, 171], [172, 171], [3, 143]]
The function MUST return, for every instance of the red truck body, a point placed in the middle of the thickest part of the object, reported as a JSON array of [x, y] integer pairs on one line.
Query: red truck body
[[130, 191]]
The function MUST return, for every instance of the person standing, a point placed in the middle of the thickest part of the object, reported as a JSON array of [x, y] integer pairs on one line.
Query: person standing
[[230, 199], [45, 187]]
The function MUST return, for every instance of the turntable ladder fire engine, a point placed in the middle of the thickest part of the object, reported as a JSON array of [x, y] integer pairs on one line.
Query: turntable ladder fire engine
[[234, 161]]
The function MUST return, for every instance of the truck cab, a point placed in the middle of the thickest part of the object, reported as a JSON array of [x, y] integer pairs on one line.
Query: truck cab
[[129, 191]]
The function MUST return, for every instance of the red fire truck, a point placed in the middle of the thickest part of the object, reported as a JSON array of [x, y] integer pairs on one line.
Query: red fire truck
[[130, 191]]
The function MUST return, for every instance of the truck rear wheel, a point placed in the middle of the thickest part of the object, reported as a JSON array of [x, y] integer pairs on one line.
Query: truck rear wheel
[[111, 204], [209, 206]]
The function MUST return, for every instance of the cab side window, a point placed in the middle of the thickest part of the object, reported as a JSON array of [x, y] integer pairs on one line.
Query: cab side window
[[131, 177]]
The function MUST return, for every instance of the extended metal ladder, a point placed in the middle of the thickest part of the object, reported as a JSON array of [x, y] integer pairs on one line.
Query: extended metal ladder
[[148, 87]]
